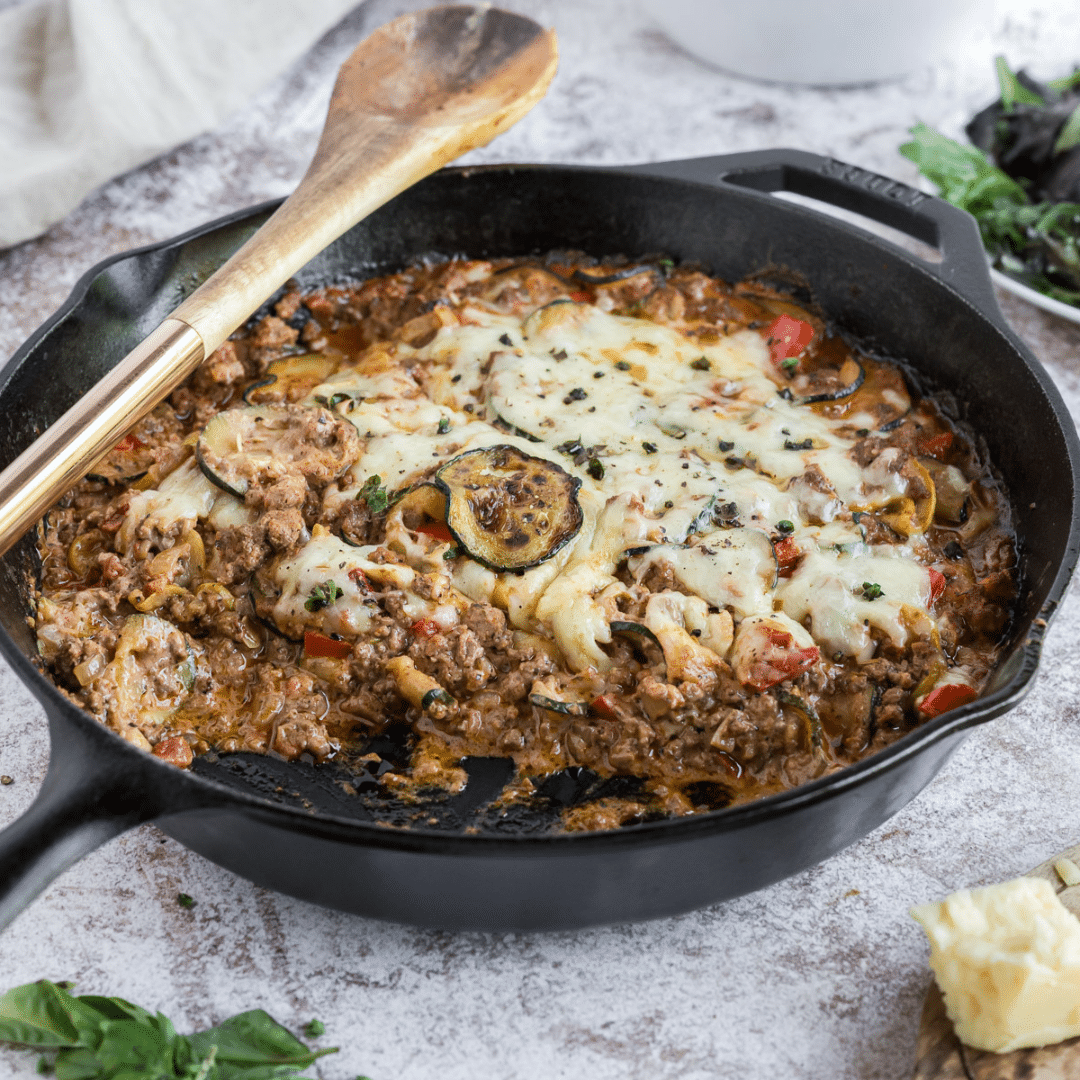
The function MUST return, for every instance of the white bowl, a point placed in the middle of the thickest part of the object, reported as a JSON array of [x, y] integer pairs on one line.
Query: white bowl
[[816, 42]]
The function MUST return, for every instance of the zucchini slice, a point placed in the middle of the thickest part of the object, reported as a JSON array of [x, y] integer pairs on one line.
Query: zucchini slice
[[241, 446], [507, 509], [589, 276], [828, 383], [152, 671], [564, 708], [291, 377], [620, 626]]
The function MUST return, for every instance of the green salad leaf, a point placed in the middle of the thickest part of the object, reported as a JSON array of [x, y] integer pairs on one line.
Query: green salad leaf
[[1038, 244], [107, 1038]]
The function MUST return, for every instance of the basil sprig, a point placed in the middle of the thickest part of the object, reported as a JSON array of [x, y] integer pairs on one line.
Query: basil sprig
[[107, 1038]]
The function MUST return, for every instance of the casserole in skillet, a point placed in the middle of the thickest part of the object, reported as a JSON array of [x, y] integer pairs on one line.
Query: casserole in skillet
[[621, 518], [288, 826]]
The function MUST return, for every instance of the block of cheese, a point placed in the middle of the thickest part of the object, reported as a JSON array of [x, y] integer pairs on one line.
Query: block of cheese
[[1007, 960]]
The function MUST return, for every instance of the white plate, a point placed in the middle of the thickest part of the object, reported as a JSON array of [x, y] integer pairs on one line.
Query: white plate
[[1047, 303]]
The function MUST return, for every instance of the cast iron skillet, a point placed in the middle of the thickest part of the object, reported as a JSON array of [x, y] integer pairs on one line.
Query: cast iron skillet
[[292, 827]]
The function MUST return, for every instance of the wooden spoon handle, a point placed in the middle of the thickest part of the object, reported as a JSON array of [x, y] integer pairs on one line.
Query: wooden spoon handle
[[405, 104]]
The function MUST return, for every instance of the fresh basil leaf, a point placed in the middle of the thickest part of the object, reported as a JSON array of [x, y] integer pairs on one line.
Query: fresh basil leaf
[[78, 1064], [114, 1008], [41, 1014], [132, 1044], [1069, 135], [1013, 91], [227, 1071], [255, 1038]]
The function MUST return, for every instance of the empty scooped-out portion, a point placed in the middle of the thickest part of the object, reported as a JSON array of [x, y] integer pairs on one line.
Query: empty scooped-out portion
[[615, 517]]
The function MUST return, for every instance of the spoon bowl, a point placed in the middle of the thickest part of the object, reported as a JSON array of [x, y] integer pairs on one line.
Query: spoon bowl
[[419, 92]]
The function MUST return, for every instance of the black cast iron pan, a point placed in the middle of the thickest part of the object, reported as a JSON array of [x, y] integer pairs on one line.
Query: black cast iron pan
[[292, 827]]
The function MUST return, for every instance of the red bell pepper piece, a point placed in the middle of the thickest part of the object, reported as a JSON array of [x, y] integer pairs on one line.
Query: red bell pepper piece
[[787, 555], [788, 337], [425, 628], [359, 579], [937, 446], [316, 644], [945, 697], [604, 706], [438, 530], [937, 584], [580, 297], [129, 443]]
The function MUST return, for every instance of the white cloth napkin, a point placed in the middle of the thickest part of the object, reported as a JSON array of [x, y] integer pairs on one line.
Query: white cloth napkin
[[91, 88]]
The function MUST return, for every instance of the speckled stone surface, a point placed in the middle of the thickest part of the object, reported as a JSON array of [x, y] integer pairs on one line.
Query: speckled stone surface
[[819, 977]]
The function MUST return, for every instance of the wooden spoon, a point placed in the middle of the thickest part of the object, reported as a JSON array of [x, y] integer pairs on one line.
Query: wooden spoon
[[416, 94], [942, 1056]]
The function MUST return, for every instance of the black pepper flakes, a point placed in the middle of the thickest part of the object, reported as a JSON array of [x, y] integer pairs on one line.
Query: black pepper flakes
[[577, 394], [725, 446], [701, 364], [648, 447], [505, 340], [621, 365], [598, 374], [801, 444]]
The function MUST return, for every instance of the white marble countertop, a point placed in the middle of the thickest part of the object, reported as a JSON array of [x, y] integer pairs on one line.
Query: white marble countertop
[[821, 976]]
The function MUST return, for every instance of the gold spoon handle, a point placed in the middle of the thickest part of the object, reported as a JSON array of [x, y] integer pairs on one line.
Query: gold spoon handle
[[416, 94]]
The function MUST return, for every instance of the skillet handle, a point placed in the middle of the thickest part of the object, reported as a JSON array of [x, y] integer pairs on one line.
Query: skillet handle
[[93, 791], [952, 231]]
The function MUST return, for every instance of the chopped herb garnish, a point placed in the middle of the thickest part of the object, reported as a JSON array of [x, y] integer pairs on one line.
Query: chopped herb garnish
[[802, 444], [184, 900], [597, 374], [374, 494], [701, 364], [725, 446], [595, 469], [451, 553], [621, 365], [337, 399], [577, 394], [649, 448], [862, 432], [321, 400], [571, 446], [790, 364], [786, 527], [871, 590], [444, 425], [323, 595], [314, 1028]]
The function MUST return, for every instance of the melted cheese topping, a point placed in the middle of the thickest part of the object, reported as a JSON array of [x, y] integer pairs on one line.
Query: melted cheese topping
[[673, 441], [664, 432]]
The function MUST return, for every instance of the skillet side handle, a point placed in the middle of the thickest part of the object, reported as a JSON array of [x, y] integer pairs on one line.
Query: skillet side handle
[[91, 794], [952, 231]]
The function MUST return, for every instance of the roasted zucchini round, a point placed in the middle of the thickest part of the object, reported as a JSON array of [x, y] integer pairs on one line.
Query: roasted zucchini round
[[508, 509]]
